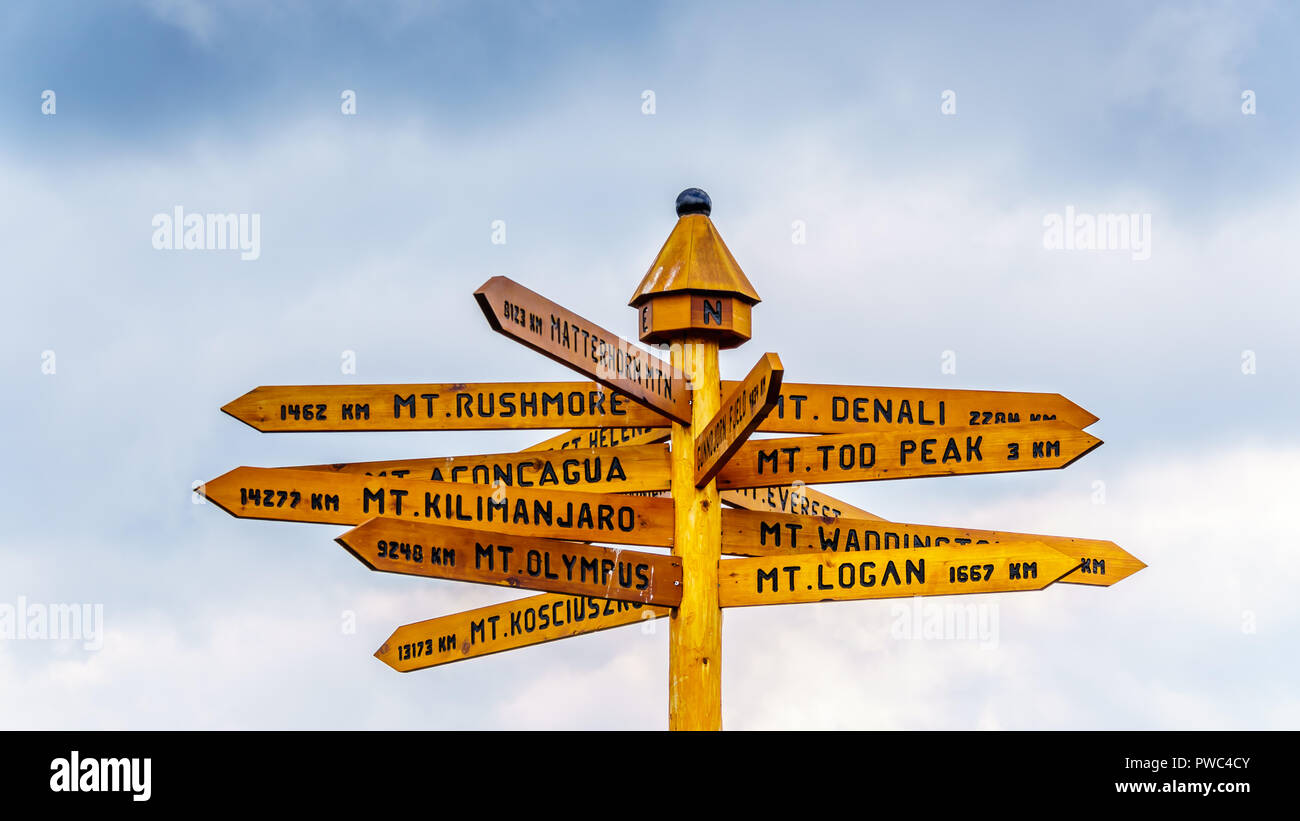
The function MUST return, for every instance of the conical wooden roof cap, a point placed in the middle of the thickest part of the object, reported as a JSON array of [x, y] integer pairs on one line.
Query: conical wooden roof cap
[[694, 258]]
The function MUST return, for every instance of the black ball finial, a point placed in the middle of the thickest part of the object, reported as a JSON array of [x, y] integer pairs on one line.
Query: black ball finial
[[694, 201]]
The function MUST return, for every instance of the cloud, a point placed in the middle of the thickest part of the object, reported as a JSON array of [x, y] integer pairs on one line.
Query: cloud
[[1169, 648], [924, 235], [194, 17], [1187, 61], [1177, 646]]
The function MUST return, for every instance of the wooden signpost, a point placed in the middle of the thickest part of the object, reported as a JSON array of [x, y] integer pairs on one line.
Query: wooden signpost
[[646, 453]]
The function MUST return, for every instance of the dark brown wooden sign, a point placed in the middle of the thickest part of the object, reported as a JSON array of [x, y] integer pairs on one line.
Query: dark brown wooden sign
[[560, 334], [285, 495], [459, 554]]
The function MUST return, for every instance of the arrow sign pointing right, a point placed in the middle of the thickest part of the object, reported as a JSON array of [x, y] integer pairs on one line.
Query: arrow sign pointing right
[[808, 408], [743, 408], [857, 457], [768, 533], [935, 571]]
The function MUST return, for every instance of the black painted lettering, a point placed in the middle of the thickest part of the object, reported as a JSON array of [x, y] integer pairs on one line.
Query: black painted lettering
[[399, 403]]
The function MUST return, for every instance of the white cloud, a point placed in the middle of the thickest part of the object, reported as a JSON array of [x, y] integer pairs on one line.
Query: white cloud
[[1162, 649], [376, 230], [194, 17], [1187, 60]]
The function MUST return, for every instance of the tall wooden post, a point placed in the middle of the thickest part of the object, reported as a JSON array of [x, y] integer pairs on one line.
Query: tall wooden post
[[695, 631], [695, 299]]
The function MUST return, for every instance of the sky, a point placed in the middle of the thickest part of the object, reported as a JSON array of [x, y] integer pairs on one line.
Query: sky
[[919, 153]]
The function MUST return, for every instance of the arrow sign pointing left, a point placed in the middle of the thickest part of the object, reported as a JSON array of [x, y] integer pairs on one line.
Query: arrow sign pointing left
[[560, 334], [438, 406], [457, 554], [507, 626], [284, 495]]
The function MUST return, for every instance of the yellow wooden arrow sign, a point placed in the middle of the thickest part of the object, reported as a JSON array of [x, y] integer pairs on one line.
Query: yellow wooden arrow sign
[[614, 470], [558, 333], [459, 554], [757, 533], [743, 408], [441, 406], [810, 408], [936, 571], [796, 499], [285, 495], [507, 626], [601, 438], [895, 455], [822, 522]]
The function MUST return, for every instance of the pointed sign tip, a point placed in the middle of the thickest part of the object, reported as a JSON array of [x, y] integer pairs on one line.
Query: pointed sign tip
[[1090, 443], [485, 305], [385, 654], [240, 407], [1075, 413], [346, 540]]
